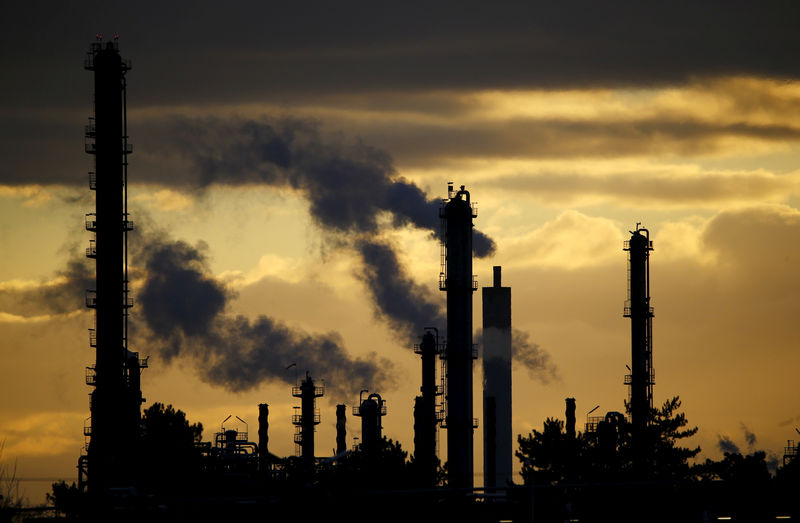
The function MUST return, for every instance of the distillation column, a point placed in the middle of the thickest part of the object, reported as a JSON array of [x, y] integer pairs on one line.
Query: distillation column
[[640, 312], [116, 400], [457, 280], [497, 437], [308, 418], [425, 410]]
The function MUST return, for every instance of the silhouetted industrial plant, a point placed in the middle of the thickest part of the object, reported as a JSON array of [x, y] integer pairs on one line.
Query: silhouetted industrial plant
[[623, 467]]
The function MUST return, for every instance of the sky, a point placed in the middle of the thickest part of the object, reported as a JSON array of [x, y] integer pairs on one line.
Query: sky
[[288, 163]]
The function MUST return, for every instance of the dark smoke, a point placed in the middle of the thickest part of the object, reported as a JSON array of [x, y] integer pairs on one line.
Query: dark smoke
[[183, 316], [528, 354], [350, 187], [725, 444], [532, 357], [67, 294], [405, 305], [749, 436]]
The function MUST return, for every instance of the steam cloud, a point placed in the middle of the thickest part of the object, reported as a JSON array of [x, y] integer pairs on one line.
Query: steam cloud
[[183, 312]]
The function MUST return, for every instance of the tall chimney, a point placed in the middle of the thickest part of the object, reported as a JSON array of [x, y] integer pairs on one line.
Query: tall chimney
[[570, 415], [497, 437], [263, 434], [341, 430]]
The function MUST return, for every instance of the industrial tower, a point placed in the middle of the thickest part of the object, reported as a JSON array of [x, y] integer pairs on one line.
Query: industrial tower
[[638, 309], [308, 418], [457, 280], [497, 437], [371, 411], [116, 399], [425, 418]]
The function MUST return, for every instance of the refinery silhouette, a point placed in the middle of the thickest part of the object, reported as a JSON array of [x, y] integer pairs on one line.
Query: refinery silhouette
[[153, 465]]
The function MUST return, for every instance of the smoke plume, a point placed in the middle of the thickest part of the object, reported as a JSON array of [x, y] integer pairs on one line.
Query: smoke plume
[[725, 444], [405, 305], [183, 316], [530, 355], [749, 436], [349, 186], [63, 294]]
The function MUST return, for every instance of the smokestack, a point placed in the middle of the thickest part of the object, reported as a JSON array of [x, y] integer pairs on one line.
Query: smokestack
[[116, 399], [570, 416], [425, 419], [263, 433], [638, 309], [497, 437], [309, 416], [456, 279], [341, 431]]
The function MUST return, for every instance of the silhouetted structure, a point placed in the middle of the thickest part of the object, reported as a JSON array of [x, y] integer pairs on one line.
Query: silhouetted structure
[[457, 280], [341, 429], [425, 418], [117, 398], [569, 426], [371, 411], [638, 309], [263, 435], [308, 418], [497, 437]]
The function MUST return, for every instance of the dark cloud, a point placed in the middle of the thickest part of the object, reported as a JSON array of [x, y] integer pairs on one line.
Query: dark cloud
[[420, 143], [189, 52], [649, 188], [183, 317], [725, 444]]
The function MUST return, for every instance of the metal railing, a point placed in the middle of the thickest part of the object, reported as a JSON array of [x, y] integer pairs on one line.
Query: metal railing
[[91, 376], [297, 392], [629, 378], [297, 419], [91, 298], [626, 309]]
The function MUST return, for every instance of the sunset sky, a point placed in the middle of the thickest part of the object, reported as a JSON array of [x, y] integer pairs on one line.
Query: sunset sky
[[276, 144]]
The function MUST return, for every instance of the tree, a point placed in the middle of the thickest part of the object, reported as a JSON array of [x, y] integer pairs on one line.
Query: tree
[[170, 457], [545, 455], [66, 499], [736, 468], [386, 469], [607, 454], [10, 500], [668, 460]]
